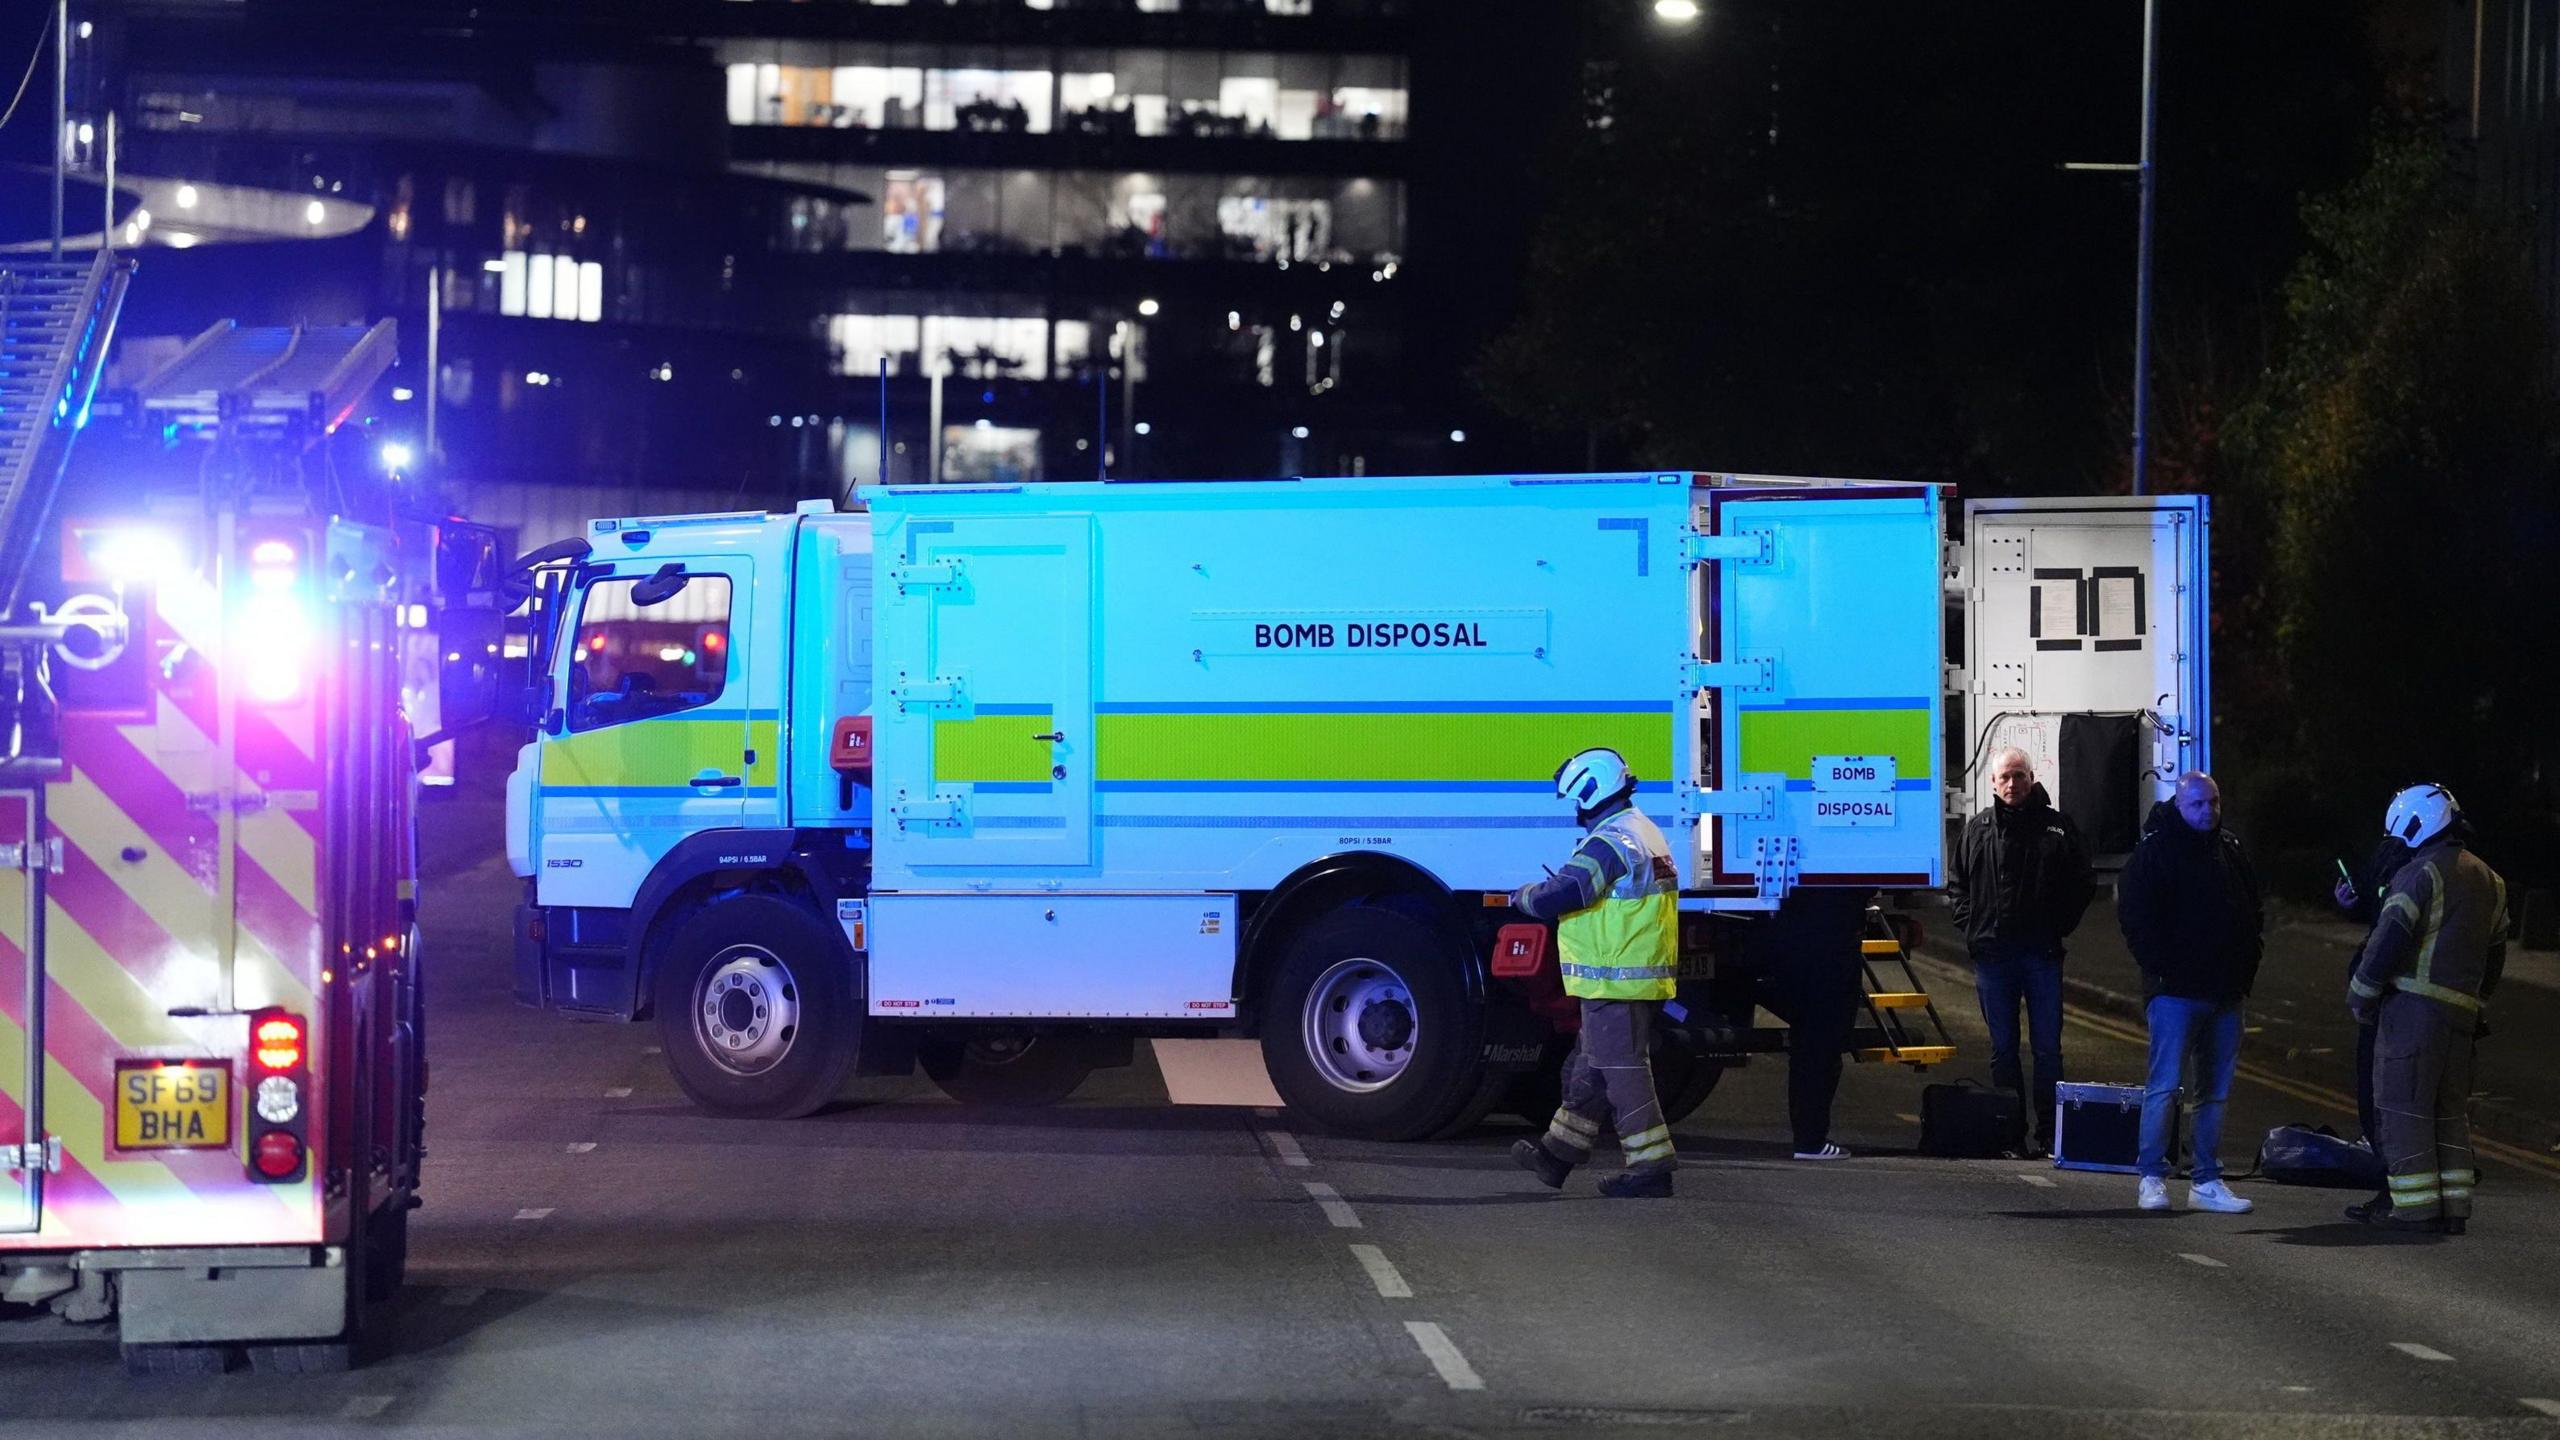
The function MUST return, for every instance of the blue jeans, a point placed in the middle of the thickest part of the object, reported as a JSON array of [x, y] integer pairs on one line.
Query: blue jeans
[[2000, 981], [2211, 1028]]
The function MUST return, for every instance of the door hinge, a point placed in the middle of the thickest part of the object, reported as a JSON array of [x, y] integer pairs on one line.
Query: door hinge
[[1741, 802], [1751, 672], [937, 810], [936, 694], [929, 575], [1774, 865], [18, 855], [1747, 545], [40, 1155]]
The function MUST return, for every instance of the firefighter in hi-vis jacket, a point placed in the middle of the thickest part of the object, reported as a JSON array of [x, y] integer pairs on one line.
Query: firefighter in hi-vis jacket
[[1616, 904], [2434, 956]]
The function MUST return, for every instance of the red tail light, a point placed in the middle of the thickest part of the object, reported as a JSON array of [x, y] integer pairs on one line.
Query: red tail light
[[276, 1041], [277, 1154]]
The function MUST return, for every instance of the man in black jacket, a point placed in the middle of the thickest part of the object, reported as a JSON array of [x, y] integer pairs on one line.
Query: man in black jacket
[[2189, 905], [2020, 884]]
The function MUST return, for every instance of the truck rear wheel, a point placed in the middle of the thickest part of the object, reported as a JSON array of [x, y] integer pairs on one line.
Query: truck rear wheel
[[756, 1008], [1368, 1031], [998, 1068]]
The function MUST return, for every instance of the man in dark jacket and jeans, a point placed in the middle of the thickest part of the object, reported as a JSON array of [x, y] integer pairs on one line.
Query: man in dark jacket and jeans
[[2191, 913], [2019, 886]]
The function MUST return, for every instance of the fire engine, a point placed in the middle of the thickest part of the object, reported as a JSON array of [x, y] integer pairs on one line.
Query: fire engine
[[212, 1070], [999, 779]]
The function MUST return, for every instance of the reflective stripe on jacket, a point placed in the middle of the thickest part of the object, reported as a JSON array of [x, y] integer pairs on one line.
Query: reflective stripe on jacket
[[2442, 932], [1625, 945]]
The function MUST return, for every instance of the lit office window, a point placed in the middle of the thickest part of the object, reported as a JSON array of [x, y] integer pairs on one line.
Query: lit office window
[[590, 291], [537, 291], [511, 283]]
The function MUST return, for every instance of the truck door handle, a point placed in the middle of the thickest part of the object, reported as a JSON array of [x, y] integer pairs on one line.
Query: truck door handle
[[716, 782], [1052, 736]]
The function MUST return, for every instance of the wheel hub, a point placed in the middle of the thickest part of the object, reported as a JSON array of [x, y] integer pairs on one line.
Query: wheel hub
[[750, 1010], [1360, 1025]]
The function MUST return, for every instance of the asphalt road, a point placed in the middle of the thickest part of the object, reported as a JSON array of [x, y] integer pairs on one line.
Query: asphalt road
[[596, 1258]]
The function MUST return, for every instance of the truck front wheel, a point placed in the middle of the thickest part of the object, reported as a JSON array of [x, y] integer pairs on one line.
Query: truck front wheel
[[1367, 1029], [757, 1008]]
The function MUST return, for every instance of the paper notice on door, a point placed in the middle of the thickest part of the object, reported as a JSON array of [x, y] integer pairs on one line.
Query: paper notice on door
[[2119, 612]]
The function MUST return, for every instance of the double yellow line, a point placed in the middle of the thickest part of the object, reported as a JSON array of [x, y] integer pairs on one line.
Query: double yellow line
[[2255, 1074]]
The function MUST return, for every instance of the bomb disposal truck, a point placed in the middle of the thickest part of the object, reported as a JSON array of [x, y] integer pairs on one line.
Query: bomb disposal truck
[[211, 1069], [1001, 778]]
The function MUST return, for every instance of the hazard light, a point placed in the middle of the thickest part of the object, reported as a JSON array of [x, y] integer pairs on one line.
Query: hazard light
[[279, 1120], [279, 1042]]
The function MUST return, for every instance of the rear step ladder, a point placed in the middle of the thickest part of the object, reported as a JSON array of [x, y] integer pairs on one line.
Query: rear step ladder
[[1889, 1034]]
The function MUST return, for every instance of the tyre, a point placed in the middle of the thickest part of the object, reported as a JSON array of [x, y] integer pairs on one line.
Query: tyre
[[757, 1008], [1007, 1069], [1368, 1030], [386, 1251], [1683, 1078]]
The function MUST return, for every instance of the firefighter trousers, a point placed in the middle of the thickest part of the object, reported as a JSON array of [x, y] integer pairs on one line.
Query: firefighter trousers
[[1608, 1080], [2422, 1096]]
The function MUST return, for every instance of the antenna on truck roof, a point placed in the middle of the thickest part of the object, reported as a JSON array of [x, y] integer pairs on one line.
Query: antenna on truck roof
[[1102, 420], [884, 417]]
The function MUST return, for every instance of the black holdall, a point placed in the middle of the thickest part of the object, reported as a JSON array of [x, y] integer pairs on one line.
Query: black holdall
[[2308, 1155], [1966, 1121]]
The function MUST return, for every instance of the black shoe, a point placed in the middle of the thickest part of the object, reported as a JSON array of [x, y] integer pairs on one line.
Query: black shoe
[[2377, 1213], [1538, 1160], [1647, 1184]]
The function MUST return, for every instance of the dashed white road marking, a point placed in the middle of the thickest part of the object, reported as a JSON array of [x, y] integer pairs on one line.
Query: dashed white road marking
[[651, 1050], [1336, 1209], [2417, 1351], [581, 1147], [2041, 1182], [364, 1407], [530, 1212], [1906, 1117], [1443, 1355], [1382, 1272], [1283, 1146], [618, 1092], [464, 1298], [2206, 1261], [2547, 1407]]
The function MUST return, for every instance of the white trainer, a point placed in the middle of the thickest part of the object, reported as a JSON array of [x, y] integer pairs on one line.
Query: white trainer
[[2154, 1194], [2215, 1196], [1827, 1152]]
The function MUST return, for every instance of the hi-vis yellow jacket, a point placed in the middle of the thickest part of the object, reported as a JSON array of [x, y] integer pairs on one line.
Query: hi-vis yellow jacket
[[1619, 901], [2442, 932]]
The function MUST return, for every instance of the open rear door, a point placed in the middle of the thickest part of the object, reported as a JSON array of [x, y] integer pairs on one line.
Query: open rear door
[[2087, 645], [22, 1147], [1821, 674]]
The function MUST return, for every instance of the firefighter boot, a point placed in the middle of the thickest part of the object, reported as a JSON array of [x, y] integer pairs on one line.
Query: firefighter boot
[[1645, 1182], [1538, 1160], [2377, 1213]]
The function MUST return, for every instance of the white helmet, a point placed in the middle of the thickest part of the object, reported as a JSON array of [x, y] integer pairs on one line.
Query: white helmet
[[2420, 814], [1593, 776]]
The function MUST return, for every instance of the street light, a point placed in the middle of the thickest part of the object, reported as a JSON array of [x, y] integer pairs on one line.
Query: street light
[[1676, 12], [2144, 169]]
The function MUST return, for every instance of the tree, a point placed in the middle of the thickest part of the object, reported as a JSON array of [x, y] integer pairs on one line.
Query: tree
[[2400, 456]]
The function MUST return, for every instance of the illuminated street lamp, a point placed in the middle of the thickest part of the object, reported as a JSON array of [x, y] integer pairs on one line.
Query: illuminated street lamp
[[1676, 12]]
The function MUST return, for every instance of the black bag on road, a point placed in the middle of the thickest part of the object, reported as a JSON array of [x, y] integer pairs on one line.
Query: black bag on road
[[1965, 1121], [2303, 1155]]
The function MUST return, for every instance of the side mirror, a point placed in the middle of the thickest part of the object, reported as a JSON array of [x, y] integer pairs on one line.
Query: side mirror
[[469, 663], [661, 587], [516, 586]]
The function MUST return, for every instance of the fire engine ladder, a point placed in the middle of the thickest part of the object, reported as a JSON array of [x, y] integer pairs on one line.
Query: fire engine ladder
[[1888, 1034], [57, 322]]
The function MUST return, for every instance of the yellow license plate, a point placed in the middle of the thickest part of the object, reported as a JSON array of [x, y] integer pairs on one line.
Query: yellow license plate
[[173, 1105]]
